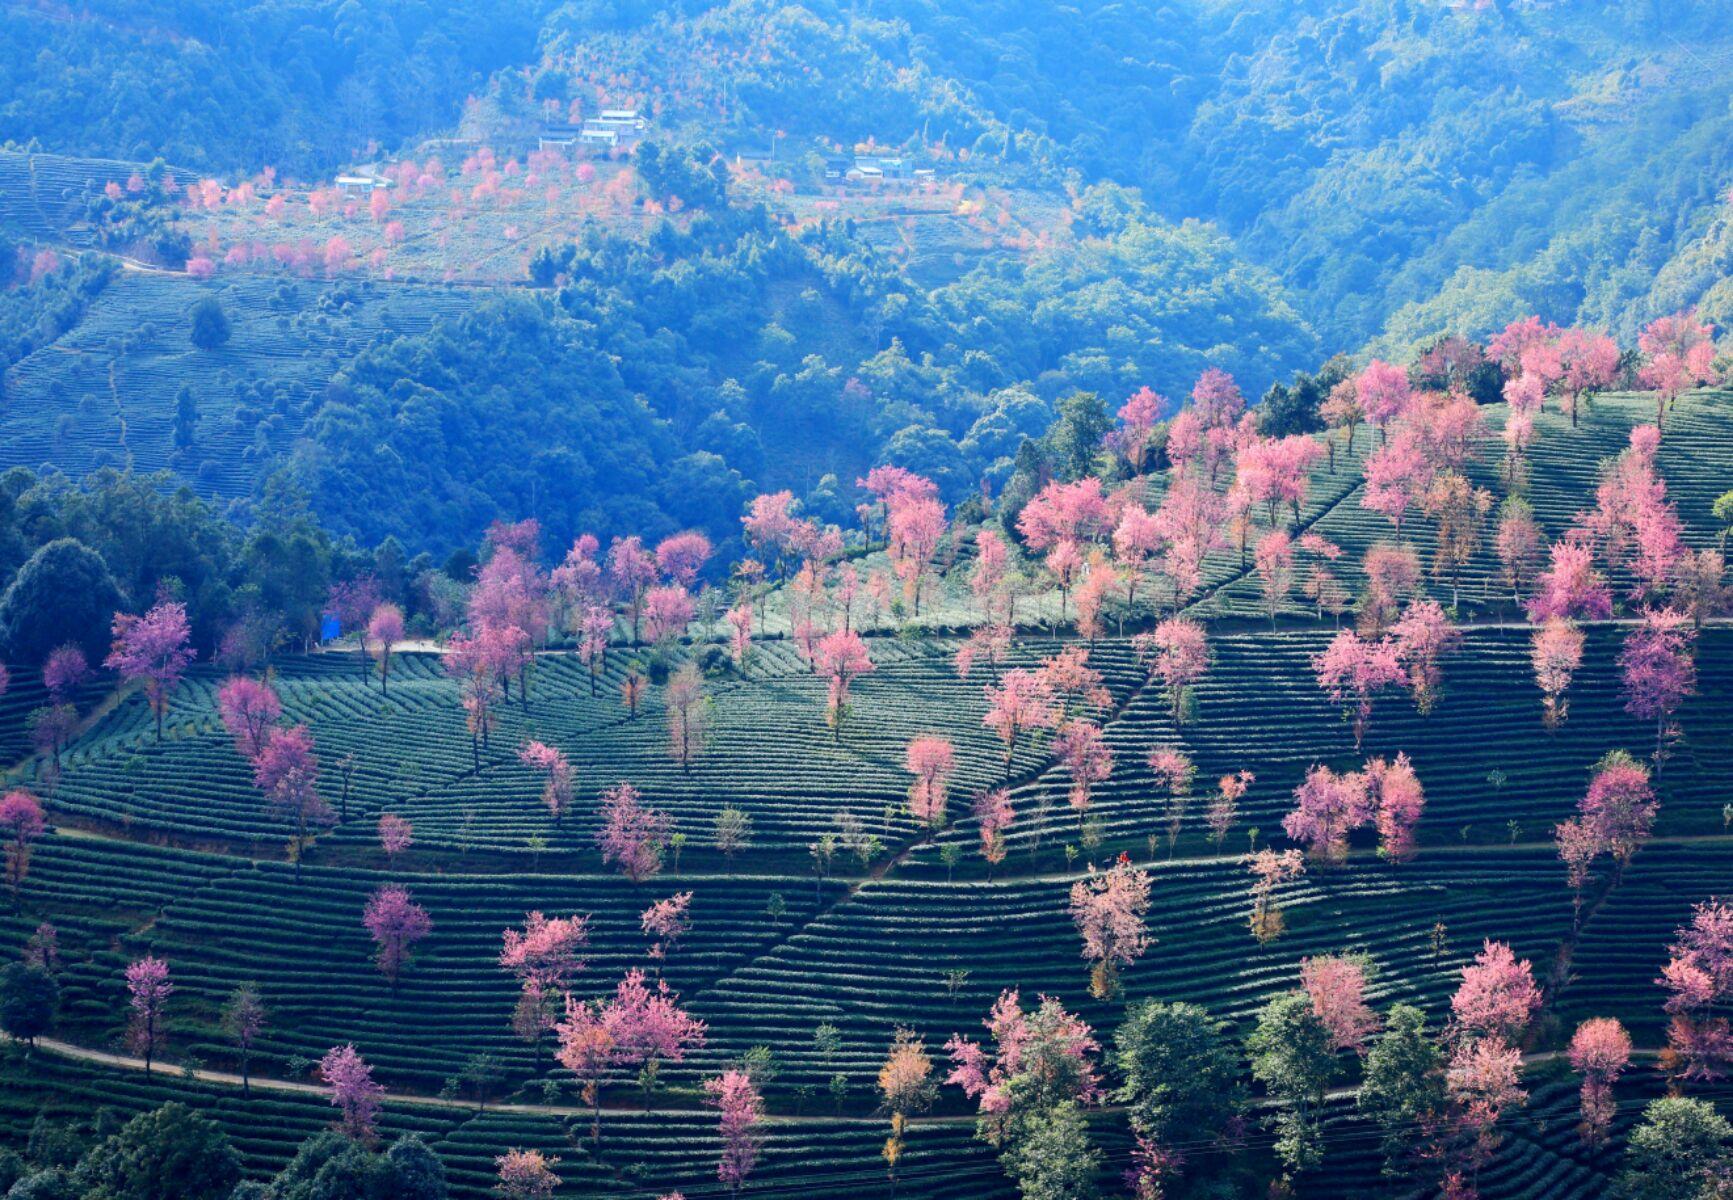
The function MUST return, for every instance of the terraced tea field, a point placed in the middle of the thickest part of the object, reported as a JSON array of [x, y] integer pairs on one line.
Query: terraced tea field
[[167, 847]]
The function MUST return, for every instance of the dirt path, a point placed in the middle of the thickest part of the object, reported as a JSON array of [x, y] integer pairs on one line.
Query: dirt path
[[229, 1079]]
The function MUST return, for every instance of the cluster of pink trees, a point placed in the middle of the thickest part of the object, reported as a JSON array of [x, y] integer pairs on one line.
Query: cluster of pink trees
[[638, 1026], [1354, 670], [1329, 806]]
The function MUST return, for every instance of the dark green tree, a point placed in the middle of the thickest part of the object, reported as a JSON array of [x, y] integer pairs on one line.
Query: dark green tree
[[170, 1153], [1403, 1085], [186, 418], [28, 998], [1050, 1156], [209, 324], [1679, 1152], [1075, 439], [1182, 1074], [1292, 1057], [63, 593]]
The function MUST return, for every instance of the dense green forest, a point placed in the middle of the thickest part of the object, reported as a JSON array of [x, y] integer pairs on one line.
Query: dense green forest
[[300, 85]]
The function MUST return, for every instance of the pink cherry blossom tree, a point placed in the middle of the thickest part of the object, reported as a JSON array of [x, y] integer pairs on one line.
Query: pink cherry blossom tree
[[688, 711], [154, 649], [633, 834], [249, 708], [1519, 544], [1189, 523], [1274, 559], [1679, 354], [1600, 1050], [1061, 520], [1482, 1081], [1398, 475], [1177, 651], [1354, 671], [594, 629], [1394, 791], [548, 952], [1698, 978], [1424, 635], [1656, 669], [1086, 758], [650, 1028], [740, 1111], [665, 922], [1110, 909], [681, 556], [931, 760], [526, 1175], [667, 613], [1327, 808], [1578, 845], [287, 772], [841, 657], [148, 988], [1556, 651], [1591, 364], [1619, 808], [1497, 996], [396, 835], [559, 781], [1383, 393], [1039, 1059], [994, 813], [384, 631], [64, 672], [1224, 808], [916, 527], [631, 571], [396, 923], [1270, 870], [1138, 417], [1022, 701], [1571, 587], [739, 620], [354, 1093], [1336, 984], [21, 824], [589, 1049]]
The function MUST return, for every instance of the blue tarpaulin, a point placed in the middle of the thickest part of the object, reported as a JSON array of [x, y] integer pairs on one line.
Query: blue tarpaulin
[[330, 629]]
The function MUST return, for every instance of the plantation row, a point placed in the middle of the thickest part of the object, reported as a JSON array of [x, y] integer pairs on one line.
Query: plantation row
[[769, 960], [1482, 754], [413, 755]]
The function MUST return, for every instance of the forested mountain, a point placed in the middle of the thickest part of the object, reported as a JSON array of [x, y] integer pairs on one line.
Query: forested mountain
[[218, 86]]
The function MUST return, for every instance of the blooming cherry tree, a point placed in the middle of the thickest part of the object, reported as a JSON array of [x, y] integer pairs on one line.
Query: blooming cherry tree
[[396, 923], [1109, 909], [154, 649], [353, 1091], [148, 988], [632, 834]]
